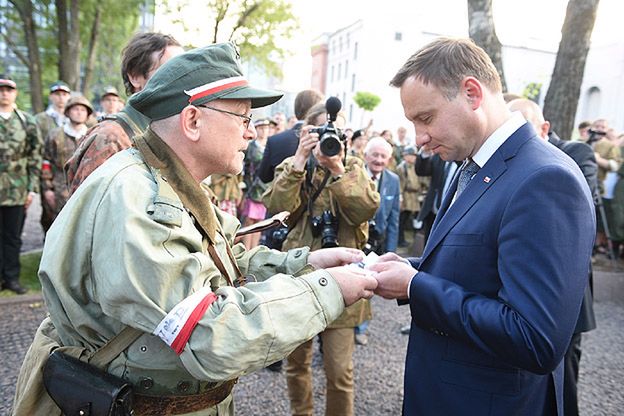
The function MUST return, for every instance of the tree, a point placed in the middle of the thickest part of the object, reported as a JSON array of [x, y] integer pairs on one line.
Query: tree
[[563, 93], [31, 59], [367, 101], [483, 33], [256, 26], [52, 33]]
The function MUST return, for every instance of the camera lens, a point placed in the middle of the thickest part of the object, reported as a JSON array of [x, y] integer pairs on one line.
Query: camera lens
[[330, 145]]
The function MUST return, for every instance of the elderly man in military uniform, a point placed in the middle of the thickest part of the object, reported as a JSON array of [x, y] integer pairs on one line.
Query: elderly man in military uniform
[[144, 248], [59, 145], [335, 199], [141, 57], [54, 115], [20, 160]]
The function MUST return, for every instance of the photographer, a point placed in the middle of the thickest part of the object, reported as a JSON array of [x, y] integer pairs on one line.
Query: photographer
[[609, 159], [338, 198]]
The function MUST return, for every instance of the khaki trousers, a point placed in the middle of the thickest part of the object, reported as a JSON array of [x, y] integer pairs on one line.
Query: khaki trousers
[[338, 348]]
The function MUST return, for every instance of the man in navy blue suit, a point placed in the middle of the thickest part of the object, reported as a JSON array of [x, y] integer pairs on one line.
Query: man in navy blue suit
[[495, 297], [377, 154]]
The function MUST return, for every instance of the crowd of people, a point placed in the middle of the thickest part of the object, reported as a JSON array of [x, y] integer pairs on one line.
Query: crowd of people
[[196, 306]]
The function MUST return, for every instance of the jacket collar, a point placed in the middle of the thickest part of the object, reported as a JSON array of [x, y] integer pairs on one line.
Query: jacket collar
[[486, 176]]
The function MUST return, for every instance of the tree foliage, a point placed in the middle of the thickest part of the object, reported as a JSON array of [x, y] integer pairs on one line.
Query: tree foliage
[[256, 26], [563, 93], [367, 101], [77, 41]]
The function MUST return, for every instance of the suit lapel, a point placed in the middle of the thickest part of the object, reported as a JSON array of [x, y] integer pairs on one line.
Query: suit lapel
[[481, 183]]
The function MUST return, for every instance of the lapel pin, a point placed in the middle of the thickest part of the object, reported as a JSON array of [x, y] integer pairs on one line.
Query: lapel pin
[[487, 179]]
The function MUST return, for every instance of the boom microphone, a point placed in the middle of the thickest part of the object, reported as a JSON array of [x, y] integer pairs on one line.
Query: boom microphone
[[333, 106]]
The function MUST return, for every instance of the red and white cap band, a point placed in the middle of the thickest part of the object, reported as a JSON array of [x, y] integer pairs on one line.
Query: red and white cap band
[[215, 87], [176, 328]]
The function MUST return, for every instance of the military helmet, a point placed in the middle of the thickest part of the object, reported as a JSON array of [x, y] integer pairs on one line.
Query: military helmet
[[76, 100]]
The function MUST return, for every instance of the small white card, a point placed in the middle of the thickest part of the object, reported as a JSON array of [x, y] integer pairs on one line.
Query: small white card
[[370, 259]]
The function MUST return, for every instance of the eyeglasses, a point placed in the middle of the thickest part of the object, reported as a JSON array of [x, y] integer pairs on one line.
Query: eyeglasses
[[246, 119]]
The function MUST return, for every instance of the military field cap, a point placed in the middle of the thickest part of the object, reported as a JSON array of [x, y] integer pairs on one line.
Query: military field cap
[[78, 100], [6, 81], [262, 122], [197, 77], [409, 150], [110, 91], [59, 86]]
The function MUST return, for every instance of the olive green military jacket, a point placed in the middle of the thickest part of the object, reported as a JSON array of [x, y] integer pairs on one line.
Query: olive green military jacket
[[20, 158], [410, 187], [121, 253], [47, 123], [226, 187], [352, 199]]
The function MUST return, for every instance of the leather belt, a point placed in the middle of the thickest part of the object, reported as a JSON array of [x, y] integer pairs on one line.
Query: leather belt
[[176, 405]]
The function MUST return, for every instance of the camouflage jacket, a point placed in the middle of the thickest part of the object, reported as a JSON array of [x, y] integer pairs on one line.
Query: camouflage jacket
[[58, 147], [20, 158], [111, 135], [47, 121], [410, 187], [351, 198]]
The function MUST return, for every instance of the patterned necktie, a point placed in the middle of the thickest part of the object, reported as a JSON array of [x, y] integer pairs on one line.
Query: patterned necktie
[[466, 174]]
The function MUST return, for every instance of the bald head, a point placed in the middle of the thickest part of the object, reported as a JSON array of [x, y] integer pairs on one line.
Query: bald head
[[533, 114]]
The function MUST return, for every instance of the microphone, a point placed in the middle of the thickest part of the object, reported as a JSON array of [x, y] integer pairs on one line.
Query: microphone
[[333, 106]]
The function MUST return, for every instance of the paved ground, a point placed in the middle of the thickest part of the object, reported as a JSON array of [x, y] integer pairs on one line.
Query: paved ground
[[378, 366]]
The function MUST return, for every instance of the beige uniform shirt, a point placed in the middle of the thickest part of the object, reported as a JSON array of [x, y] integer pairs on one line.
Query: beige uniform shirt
[[109, 261]]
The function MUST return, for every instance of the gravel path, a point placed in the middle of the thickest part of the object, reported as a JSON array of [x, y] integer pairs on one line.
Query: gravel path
[[378, 366]]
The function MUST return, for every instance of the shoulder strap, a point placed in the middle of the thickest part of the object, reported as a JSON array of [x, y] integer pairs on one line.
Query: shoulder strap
[[115, 346]]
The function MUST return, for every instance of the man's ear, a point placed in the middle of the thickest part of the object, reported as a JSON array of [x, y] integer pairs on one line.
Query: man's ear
[[545, 128], [191, 122], [472, 90]]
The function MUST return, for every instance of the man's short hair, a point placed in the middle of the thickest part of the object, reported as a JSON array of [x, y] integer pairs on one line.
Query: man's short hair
[[136, 57], [584, 124], [445, 62], [304, 102], [378, 141]]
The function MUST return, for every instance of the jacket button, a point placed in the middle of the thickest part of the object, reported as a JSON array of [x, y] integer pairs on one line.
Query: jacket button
[[323, 281], [183, 386], [143, 348], [146, 383]]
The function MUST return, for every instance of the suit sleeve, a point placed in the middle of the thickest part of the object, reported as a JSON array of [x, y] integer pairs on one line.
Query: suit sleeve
[[543, 250], [392, 231], [265, 173]]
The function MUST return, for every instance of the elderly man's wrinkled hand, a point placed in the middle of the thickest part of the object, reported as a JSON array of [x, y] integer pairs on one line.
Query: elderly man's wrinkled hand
[[355, 284], [334, 257]]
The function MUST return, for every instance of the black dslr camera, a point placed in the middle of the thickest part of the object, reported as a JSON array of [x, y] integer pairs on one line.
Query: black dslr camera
[[326, 226], [375, 239], [331, 138], [595, 135]]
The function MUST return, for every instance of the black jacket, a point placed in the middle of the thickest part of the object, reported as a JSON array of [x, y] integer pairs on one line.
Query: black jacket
[[278, 148]]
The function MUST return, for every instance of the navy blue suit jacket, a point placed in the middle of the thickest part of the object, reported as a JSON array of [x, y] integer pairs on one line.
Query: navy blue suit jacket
[[387, 215], [499, 287]]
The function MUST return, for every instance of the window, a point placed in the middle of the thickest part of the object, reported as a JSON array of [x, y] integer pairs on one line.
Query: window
[[398, 36], [331, 74], [351, 113], [352, 82], [339, 74], [346, 69], [355, 47]]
